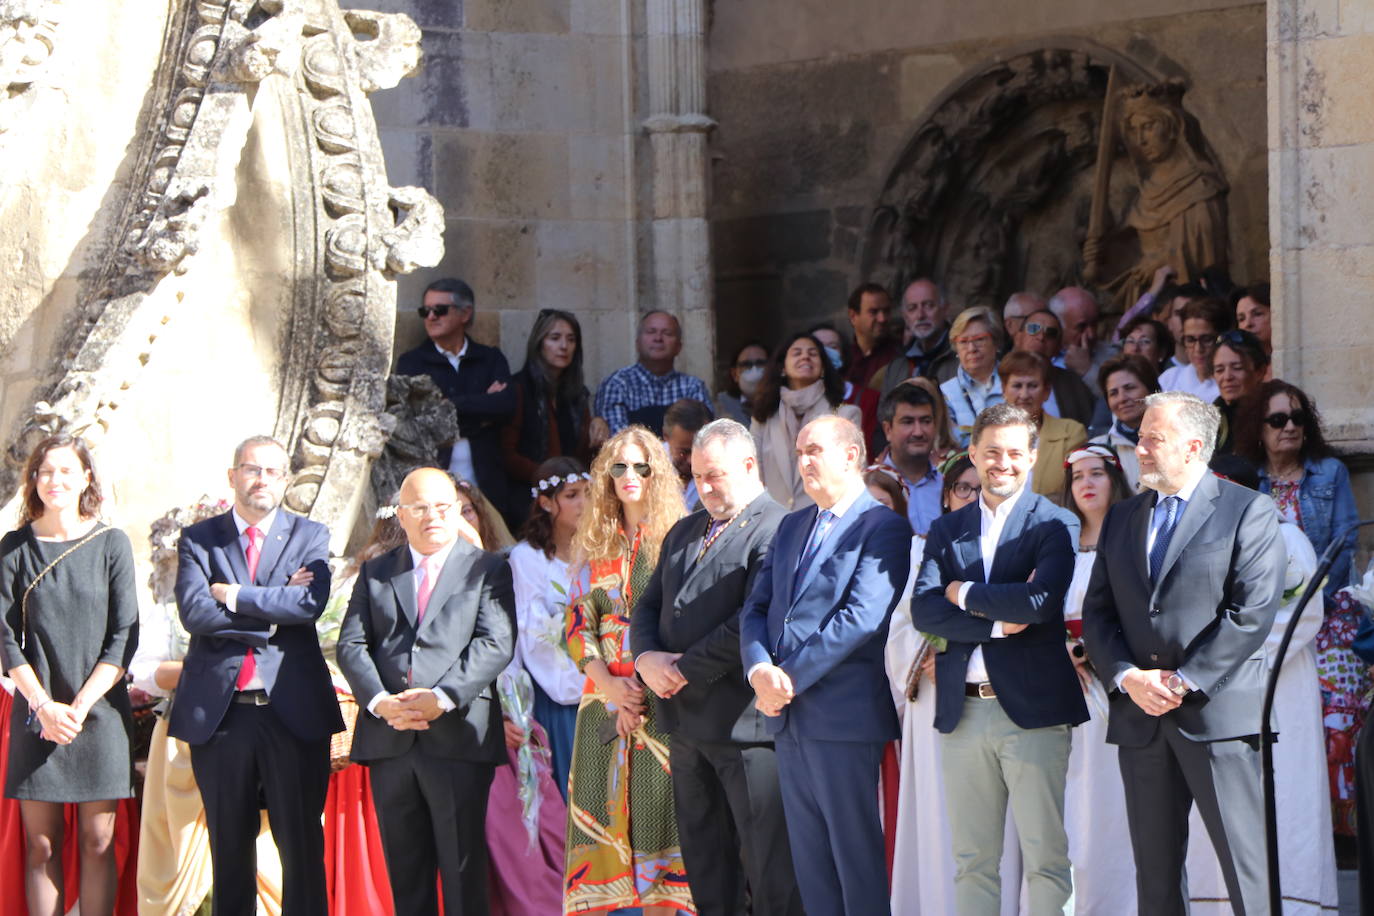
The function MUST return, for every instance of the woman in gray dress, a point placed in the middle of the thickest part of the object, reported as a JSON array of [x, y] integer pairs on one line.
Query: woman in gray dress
[[70, 628]]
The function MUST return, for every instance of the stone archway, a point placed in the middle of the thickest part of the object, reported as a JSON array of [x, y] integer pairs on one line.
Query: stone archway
[[992, 192]]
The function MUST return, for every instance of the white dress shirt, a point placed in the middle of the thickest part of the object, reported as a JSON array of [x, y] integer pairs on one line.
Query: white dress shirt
[[993, 521], [231, 599], [460, 462], [417, 559]]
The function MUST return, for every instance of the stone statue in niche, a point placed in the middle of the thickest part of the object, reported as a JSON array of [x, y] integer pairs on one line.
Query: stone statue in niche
[[1178, 214]]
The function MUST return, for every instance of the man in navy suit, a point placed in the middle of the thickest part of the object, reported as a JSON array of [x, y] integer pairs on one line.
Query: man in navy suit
[[992, 583], [474, 377], [812, 634], [255, 701]]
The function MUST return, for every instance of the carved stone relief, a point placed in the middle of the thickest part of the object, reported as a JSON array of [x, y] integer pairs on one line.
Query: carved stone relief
[[994, 191], [28, 32], [352, 232]]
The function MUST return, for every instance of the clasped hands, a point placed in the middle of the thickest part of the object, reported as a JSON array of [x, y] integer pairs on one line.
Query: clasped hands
[[1150, 690], [772, 689], [61, 722], [410, 710], [660, 673], [952, 596], [220, 590]]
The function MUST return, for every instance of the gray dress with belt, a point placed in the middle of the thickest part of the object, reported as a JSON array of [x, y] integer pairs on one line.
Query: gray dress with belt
[[82, 613]]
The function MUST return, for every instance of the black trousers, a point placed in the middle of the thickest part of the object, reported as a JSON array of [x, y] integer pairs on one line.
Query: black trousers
[[253, 760], [1364, 813], [1163, 780], [731, 827], [432, 815]]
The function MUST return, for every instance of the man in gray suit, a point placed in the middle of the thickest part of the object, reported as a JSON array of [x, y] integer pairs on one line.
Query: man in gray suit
[[685, 638], [429, 627], [1189, 575]]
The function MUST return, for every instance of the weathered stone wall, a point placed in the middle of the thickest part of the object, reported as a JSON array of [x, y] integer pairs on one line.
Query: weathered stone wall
[[1321, 169], [527, 121], [815, 102]]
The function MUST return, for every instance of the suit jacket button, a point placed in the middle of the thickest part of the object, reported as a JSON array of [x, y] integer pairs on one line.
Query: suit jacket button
[[1154, 656], [677, 613], [1154, 612]]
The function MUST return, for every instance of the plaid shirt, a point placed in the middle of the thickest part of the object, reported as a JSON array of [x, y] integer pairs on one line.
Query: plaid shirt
[[634, 387]]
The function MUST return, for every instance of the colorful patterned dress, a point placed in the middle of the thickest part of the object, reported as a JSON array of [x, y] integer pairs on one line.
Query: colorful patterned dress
[[622, 848], [1344, 681]]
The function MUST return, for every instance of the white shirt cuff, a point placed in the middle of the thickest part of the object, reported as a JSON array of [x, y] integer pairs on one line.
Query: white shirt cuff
[[997, 629], [372, 706], [445, 702], [749, 675], [963, 595], [231, 598]]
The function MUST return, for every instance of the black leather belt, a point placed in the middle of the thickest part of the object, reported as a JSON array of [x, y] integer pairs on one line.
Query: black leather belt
[[982, 691], [252, 697]]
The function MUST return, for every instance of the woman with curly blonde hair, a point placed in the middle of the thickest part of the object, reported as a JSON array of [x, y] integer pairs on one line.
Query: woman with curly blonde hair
[[620, 754]]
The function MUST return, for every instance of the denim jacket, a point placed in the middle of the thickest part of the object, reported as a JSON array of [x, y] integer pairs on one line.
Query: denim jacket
[[1327, 504]]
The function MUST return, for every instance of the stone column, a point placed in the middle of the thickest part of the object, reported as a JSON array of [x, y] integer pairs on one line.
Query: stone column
[[1321, 215], [677, 126]]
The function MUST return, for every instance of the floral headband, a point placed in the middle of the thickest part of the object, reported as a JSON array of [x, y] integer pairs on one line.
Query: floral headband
[[949, 462], [1092, 451], [549, 483]]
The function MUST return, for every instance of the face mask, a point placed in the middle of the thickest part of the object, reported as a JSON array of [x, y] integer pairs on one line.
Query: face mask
[[834, 356], [749, 379]]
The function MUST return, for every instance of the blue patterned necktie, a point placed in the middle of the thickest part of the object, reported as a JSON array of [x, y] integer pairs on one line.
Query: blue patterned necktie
[[823, 522], [1163, 536]]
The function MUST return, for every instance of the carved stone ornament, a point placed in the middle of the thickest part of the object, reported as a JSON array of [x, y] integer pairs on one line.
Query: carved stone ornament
[[992, 194], [353, 232], [28, 32]]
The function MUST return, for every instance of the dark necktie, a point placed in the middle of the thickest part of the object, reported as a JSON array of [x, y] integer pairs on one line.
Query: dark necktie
[[823, 522], [1163, 536]]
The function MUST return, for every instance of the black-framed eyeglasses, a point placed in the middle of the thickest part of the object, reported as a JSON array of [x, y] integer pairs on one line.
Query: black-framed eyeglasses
[[965, 490], [641, 469], [1298, 418], [752, 364], [1035, 329], [438, 311], [254, 470], [1199, 340]]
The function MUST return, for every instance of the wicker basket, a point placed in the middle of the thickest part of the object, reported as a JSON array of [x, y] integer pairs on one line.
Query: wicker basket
[[340, 743]]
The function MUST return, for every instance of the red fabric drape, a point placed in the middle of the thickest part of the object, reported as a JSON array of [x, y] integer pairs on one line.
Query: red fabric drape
[[890, 780], [12, 843], [354, 866]]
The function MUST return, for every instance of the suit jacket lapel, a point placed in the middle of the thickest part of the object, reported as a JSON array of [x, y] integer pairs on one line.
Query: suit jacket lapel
[[791, 554], [967, 548], [229, 542], [1016, 523], [272, 546], [403, 583], [1195, 514], [1140, 536], [832, 540], [721, 548], [451, 576]]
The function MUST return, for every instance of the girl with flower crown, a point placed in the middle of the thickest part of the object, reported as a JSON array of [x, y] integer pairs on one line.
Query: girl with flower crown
[[618, 857]]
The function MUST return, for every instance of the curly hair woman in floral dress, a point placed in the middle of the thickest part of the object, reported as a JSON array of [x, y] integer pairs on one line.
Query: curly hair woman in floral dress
[[622, 848]]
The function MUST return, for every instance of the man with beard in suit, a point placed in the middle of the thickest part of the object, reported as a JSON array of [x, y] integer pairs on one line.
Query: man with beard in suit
[[429, 627], [685, 638], [1188, 578]]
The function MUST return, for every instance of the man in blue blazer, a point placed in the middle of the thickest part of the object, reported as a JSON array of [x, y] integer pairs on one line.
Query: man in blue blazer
[[812, 634], [255, 701], [992, 583]]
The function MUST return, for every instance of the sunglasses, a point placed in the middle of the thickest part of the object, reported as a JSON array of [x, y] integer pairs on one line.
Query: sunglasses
[[1298, 418], [1035, 329], [641, 469], [438, 311], [752, 364]]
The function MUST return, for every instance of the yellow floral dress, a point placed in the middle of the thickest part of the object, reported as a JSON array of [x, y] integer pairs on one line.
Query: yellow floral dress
[[622, 848]]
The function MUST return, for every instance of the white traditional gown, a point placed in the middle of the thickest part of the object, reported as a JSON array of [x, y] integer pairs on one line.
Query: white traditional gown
[[1307, 854], [923, 865], [1094, 800]]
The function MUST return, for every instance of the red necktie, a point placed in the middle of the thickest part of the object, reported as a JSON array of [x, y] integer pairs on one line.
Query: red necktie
[[431, 570], [253, 551]]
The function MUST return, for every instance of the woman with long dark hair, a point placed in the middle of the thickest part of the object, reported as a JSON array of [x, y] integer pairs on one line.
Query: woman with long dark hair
[[799, 386], [70, 628], [552, 415]]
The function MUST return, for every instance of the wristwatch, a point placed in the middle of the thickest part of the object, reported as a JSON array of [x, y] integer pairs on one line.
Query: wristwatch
[[1176, 686]]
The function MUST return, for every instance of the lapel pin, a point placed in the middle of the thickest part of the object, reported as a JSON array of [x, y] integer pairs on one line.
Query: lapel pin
[[744, 524]]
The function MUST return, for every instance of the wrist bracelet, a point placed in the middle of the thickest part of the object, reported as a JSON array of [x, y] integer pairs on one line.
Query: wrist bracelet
[[33, 710]]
